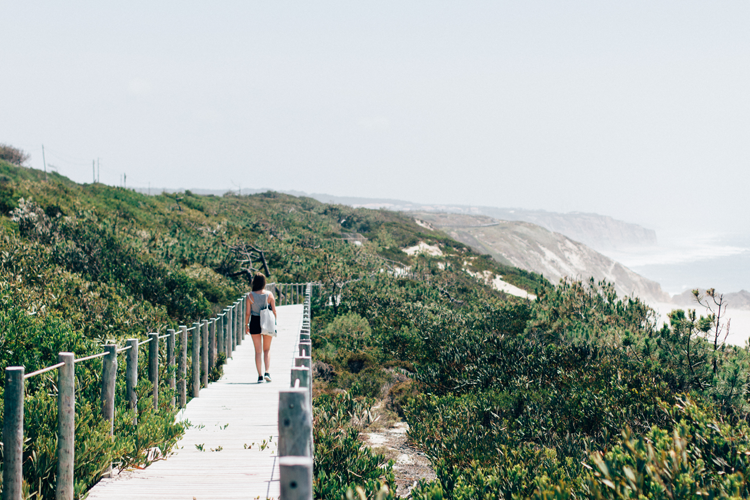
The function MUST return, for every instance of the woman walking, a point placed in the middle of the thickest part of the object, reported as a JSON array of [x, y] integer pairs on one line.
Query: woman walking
[[260, 299]]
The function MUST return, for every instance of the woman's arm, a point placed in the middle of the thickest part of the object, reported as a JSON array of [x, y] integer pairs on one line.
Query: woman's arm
[[272, 303]]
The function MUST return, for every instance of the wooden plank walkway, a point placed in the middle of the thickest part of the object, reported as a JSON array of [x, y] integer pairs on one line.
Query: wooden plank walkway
[[229, 414]]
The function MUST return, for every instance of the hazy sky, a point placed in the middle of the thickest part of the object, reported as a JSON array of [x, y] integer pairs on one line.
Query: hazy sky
[[639, 110]]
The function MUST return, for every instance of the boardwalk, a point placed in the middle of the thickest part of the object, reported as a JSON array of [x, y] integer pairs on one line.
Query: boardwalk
[[229, 415]]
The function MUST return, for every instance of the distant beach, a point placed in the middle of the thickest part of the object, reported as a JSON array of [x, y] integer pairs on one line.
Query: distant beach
[[680, 264]]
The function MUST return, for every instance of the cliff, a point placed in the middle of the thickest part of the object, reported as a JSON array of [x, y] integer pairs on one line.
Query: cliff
[[534, 248]]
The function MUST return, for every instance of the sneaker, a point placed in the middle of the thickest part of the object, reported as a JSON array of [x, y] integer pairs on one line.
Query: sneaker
[[267, 377], [260, 379]]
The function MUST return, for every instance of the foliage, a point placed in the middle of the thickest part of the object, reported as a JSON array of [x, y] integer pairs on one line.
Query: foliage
[[341, 461], [578, 394], [513, 399], [13, 155]]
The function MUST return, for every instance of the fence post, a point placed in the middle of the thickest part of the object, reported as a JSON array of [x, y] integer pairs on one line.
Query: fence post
[[225, 332], [131, 377], [109, 376], [236, 325], [196, 359], [170, 362], [296, 478], [305, 361], [220, 334], [304, 348], [232, 319], [240, 331], [302, 373], [204, 353], [66, 417], [182, 367], [13, 433], [211, 343], [241, 320], [153, 366], [295, 423]]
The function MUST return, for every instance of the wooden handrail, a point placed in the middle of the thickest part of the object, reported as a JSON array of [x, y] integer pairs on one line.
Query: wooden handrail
[[296, 445], [43, 370]]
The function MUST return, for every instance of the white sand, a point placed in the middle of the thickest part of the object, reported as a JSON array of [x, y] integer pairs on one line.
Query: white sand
[[423, 247], [503, 286]]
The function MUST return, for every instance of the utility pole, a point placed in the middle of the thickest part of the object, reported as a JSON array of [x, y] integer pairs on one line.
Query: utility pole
[[98, 172], [44, 160], [125, 181], [93, 169]]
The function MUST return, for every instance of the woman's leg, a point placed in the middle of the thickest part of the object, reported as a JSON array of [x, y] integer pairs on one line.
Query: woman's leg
[[267, 351], [257, 344]]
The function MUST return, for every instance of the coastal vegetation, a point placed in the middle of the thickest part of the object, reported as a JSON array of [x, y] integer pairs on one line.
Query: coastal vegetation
[[579, 393]]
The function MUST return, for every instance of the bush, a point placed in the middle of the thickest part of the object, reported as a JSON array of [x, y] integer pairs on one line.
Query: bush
[[13, 155]]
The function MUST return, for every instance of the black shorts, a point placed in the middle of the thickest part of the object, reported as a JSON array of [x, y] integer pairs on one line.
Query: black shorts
[[255, 325]]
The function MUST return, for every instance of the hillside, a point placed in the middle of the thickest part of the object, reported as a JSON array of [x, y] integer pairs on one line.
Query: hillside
[[576, 394], [85, 263], [531, 247], [599, 232]]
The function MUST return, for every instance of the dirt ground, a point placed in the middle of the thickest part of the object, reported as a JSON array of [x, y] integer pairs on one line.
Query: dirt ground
[[411, 465]]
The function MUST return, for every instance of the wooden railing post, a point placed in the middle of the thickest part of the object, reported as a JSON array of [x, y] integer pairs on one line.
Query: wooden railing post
[[302, 373], [196, 359], [219, 334], [232, 329], [241, 321], [13, 433], [295, 423], [153, 366], [228, 332], [182, 367], [304, 347], [295, 475], [66, 419], [238, 322], [131, 377], [171, 362], [109, 377], [204, 353], [243, 311], [212, 343], [305, 361]]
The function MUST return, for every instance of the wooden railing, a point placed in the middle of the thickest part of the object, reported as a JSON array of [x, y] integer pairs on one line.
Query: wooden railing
[[294, 293], [295, 448], [220, 334]]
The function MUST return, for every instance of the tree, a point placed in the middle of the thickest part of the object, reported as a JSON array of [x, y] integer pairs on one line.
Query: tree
[[716, 330], [13, 155]]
